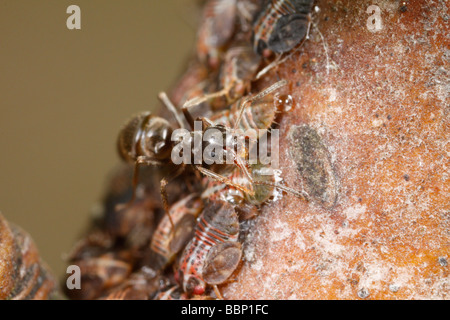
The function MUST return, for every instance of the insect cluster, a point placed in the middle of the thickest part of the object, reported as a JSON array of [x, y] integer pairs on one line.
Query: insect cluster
[[184, 237]]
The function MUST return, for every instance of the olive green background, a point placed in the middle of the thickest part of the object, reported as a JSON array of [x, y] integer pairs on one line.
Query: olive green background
[[64, 95]]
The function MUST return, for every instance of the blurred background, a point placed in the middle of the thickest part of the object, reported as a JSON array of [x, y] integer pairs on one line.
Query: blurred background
[[64, 94]]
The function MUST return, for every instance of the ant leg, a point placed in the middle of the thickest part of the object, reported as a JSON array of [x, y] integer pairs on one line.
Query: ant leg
[[165, 198], [223, 179], [258, 96], [165, 201], [240, 164], [169, 105], [188, 116], [217, 292], [140, 160]]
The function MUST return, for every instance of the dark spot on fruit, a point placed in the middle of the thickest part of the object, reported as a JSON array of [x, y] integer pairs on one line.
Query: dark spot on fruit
[[443, 262], [313, 162], [363, 293]]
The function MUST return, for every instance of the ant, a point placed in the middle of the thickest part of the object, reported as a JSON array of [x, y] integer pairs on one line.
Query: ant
[[147, 139]]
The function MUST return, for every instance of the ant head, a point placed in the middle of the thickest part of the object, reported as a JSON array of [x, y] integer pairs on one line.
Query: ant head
[[157, 139], [145, 135]]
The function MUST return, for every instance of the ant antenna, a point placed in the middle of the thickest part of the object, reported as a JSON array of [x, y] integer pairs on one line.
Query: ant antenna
[[169, 105]]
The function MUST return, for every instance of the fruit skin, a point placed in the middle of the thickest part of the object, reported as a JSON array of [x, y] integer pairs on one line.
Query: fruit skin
[[23, 275], [377, 105]]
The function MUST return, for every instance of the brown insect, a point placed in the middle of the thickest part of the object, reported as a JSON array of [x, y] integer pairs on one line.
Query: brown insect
[[195, 80], [117, 238], [217, 28], [281, 25], [238, 70], [99, 274], [166, 244], [214, 253], [133, 225], [23, 275], [261, 115], [141, 285], [147, 139], [246, 205]]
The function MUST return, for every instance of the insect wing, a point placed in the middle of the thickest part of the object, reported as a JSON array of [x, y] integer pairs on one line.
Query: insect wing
[[221, 262], [184, 230], [288, 32], [223, 26]]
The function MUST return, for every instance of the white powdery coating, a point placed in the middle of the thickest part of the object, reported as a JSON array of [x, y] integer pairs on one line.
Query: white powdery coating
[[332, 94], [281, 230], [355, 212], [300, 241]]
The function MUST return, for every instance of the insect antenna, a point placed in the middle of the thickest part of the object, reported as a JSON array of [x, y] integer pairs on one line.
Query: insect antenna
[[197, 100], [170, 106]]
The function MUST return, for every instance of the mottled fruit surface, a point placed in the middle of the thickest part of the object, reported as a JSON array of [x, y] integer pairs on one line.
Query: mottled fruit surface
[[368, 139]]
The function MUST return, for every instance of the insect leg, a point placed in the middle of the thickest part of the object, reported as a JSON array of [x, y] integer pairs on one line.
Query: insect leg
[[165, 201], [188, 116], [223, 179], [260, 95], [309, 26], [240, 164], [280, 60], [140, 160], [165, 197], [217, 292]]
